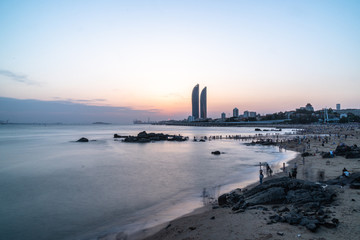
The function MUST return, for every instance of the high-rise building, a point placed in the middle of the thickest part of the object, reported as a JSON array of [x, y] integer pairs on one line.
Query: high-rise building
[[338, 107], [246, 114], [309, 107], [235, 112], [223, 116], [195, 102], [203, 106]]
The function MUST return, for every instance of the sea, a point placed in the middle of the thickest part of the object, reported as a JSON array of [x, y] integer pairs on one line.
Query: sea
[[52, 187]]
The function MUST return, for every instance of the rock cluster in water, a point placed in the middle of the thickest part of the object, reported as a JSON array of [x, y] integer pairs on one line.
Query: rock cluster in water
[[144, 137], [296, 202]]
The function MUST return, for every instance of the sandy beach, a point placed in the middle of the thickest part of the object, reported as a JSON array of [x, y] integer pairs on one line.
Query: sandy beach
[[214, 222]]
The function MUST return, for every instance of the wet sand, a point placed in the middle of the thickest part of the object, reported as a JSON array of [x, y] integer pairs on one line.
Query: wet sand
[[223, 223]]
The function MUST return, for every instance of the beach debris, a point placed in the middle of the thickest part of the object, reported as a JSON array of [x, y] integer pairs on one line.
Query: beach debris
[[83, 140]]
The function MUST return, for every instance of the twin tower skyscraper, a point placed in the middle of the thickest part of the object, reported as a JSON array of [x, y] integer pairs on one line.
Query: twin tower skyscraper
[[195, 103]]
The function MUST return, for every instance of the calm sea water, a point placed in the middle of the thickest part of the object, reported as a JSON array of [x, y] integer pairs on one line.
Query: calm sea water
[[54, 188]]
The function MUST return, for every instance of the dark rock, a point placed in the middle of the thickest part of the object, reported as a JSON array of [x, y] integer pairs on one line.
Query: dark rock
[[342, 180], [329, 225], [142, 134], [293, 219], [83, 140], [232, 198], [271, 196], [283, 209], [321, 212], [280, 233], [335, 220], [144, 137], [312, 227], [353, 154], [222, 200], [192, 228], [216, 152], [119, 136], [307, 198], [212, 218], [275, 217], [355, 185], [305, 154]]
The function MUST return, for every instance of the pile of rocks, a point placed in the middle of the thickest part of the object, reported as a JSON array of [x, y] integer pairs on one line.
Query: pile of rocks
[[144, 137], [264, 142], [347, 151], [305, 201]]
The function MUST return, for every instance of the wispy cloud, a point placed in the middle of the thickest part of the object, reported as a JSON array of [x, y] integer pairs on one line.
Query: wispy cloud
[[17, 77], [82, 101], [31, 110]]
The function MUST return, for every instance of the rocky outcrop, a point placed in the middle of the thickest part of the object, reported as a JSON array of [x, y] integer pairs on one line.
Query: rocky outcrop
[[342, 180], [283, 191], [264, 142], [302, 201], [347, 151], [144, 137]]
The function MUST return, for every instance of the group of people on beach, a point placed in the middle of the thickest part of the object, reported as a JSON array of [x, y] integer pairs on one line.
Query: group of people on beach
[[269, 172]]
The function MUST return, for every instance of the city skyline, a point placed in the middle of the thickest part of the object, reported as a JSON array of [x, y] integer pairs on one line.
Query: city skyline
[[145, 57]]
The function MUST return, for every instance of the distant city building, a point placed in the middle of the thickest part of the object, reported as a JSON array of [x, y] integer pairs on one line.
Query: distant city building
[[203, 106], [338, 107], [347, 111], [223, 116], [191, 119], [252, 114], [246, 114], [235, 112], [195, 102], [309, 107]]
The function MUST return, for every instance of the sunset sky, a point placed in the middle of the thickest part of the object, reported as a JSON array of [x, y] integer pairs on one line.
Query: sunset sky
[[263, 56]]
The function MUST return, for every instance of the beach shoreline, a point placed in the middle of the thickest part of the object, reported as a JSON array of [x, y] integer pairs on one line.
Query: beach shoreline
[[211, 222]]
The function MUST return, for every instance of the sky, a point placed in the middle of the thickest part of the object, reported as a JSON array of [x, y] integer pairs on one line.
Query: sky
[[146, 56]]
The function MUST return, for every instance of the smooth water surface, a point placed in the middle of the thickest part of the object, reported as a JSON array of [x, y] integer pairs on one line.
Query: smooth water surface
[[54, 188]]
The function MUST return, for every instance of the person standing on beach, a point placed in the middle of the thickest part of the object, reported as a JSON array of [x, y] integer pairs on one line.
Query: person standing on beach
[[261, 176]]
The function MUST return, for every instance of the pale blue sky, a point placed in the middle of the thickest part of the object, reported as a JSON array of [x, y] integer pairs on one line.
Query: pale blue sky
[[264, 56]]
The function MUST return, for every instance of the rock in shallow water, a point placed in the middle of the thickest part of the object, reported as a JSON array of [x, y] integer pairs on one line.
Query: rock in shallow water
[[83, 140]]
